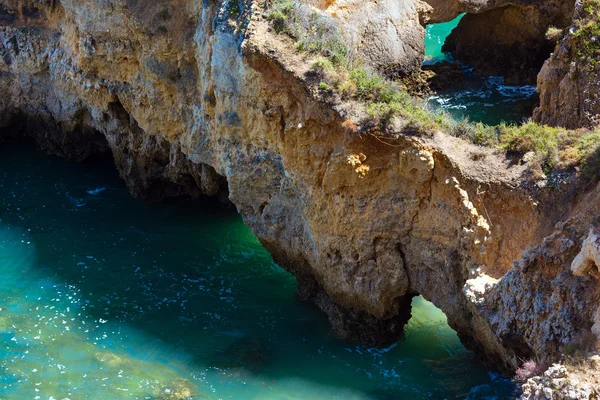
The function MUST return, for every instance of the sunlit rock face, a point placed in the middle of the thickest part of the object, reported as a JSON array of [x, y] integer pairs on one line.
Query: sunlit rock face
[[388, 34], [569, 82], [203, 98]]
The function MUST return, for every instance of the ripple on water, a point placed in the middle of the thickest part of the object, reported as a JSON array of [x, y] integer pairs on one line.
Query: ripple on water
[[103, 297]]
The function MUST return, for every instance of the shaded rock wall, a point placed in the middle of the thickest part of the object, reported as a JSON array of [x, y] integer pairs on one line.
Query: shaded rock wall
[[192, 96], [446, 10], [509, 40]]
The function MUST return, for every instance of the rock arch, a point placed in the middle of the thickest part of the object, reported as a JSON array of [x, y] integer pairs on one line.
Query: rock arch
[[500, 37]]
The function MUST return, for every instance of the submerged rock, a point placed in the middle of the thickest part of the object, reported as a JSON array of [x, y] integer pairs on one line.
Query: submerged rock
[[246, 353], [112, 360], [179, 389]]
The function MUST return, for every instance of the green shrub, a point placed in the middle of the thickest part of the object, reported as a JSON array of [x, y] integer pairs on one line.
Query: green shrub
[[554, 34], [280, 14], [588, 148], [587, 45], [313, 31], [529, 137], [322, 65], [324, 86], [588, 143], [485, 135], [372, 87]]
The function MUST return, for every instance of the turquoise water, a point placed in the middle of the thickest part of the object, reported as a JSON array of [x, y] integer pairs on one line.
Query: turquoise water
[[435, 36], [104, 297], [478, 98]]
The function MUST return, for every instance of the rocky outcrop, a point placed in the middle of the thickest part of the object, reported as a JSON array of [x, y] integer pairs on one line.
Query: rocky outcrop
[[540, 307], [587, 263], [202, 97], [546, 305], [558, 383], [569, 82], [387, 34], [588, 259], [443, 75]]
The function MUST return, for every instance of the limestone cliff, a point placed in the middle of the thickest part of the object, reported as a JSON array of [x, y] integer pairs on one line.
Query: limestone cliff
[[203, 97], [569, 82]]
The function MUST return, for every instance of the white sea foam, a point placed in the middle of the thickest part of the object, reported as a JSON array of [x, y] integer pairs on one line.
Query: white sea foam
[[96, 191]]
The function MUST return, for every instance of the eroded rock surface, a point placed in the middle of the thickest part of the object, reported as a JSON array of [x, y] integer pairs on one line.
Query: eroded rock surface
[[201, 97], [558, 383], [388, 33], [569, 82], [540, 306]]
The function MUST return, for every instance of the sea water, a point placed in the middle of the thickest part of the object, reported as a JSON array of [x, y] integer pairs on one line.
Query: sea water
[[485, 99], [105, 297]]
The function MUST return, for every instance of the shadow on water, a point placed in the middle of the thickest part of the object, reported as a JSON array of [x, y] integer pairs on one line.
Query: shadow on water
[[183, 290]]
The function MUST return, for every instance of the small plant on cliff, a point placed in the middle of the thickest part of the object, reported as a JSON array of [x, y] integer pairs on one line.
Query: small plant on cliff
[[313, 31], [324, 86], [587, 34], [543, 140], [371, 87], [323, 66], [280, 13], [554, 34]]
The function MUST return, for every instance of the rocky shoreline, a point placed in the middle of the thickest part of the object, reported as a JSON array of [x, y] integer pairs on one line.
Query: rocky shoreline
[[203, 98]]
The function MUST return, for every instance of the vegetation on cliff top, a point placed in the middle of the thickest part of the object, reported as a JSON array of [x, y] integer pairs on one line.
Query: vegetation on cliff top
[[386, 102], [587, 33]]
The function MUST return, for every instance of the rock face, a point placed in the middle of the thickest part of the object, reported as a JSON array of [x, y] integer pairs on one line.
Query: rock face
[[443, 75], [569, 82], [444, 10], [557, 383], [388, 34], [202, 98], [540, 307], [587, 263]]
